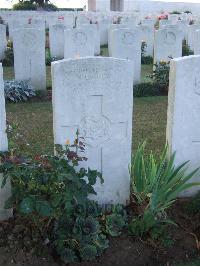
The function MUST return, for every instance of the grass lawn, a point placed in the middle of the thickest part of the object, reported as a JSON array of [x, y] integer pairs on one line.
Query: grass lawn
[[34, 120]]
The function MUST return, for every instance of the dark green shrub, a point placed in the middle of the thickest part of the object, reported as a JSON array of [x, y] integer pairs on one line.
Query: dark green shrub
[[175, 12], [34, 5], [160, 76], [50, 59], [50, 7], [53, 193], [24, 5], [9, 55], [146, 89], [186, 49], [145, 59]]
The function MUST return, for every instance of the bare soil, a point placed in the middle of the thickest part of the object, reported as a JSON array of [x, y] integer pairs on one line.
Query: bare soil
[[19, 247]]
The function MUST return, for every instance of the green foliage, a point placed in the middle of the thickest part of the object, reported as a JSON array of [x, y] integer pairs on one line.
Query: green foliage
[[49, 58], [146, 89], [9, 55], [195, 262], [34, 5], [24, 5], [53, 192], [155, 186], [160, 76], [175, 12], [193, 207], [186, 49], [114, 224], [145, 60]]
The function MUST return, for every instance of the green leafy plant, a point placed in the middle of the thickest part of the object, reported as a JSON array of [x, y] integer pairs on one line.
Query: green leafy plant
[[146, 89], [24, 5], [155, 186], [186, 49], [49, 58], [18, 91], [160, 76], [145, 59], [34, 5], [53, 193], [9, 55]]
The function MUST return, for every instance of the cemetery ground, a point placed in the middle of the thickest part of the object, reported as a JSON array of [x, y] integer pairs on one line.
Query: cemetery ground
[[179, 245]]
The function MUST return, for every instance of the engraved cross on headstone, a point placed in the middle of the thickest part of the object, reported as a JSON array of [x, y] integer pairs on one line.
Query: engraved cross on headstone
[[97, 130]]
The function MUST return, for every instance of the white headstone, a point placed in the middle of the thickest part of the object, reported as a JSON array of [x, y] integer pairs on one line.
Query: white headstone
[[94, 28], [82, 19], [79, 43], [29, 56], [56, 40], [95, 96], [104, 26], [3, 41], [167, 44], [173, 18], [5, 193], [126, 44], [183, 130], [148, 38], [164, 22], [196, 44], [191, 37], [114, 27]]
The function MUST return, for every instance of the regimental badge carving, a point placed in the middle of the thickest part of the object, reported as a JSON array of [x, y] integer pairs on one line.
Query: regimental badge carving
[[170, 38], [197, 84], [128, 38], [80, 38], [96, 129]]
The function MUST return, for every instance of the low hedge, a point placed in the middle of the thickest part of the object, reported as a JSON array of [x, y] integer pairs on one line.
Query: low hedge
[[146, 89]]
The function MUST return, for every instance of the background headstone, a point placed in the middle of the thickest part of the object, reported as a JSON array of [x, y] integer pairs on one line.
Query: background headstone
[[3, 41], [56, 40], [79, 43], [167, 44], [29, 56], [126, 44]]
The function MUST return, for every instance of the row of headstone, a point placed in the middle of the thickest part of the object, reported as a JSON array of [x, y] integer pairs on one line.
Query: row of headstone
[[94, 96]]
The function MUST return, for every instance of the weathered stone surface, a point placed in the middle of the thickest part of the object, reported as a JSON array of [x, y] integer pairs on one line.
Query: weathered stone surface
[[5, 193], [3, 41], [56, 40], [168, 44], [79, 43], [126, 44], [29, 54], [183, 130], [95, 96], [94, 29]]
